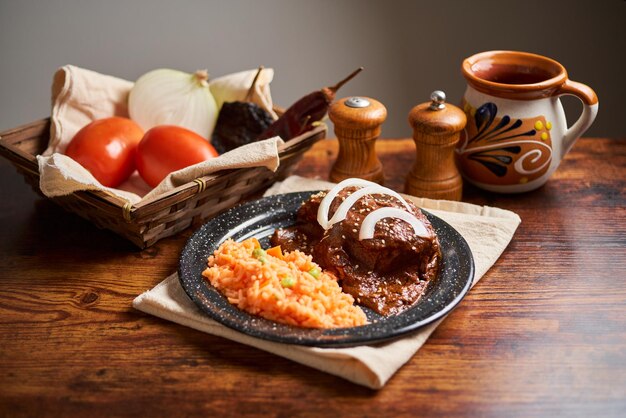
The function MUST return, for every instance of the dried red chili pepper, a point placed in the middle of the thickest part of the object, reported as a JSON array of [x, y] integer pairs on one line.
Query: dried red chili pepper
[[302, 115]]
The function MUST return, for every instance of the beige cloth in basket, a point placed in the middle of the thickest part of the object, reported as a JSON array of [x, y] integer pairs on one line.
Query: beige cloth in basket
[[80, 96], [487, 230]]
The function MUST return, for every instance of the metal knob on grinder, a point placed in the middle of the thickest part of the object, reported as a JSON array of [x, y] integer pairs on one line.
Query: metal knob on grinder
[[357, 123], [436, 130]]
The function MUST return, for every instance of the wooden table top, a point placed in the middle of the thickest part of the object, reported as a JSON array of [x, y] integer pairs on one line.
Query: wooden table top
[[542, 334]]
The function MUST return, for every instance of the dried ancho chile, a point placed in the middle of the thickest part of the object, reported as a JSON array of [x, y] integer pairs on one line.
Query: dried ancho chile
[[240, 122]]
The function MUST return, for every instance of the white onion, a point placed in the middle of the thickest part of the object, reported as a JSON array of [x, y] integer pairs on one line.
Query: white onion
[[342, 211], [322, 211], [370, 221], [171, 97]]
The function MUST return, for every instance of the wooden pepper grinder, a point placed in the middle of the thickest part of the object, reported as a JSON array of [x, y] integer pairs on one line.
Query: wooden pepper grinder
[[357, 126], [436, 131]]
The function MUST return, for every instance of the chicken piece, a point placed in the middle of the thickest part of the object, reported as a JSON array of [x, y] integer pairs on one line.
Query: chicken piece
[[387, 273]]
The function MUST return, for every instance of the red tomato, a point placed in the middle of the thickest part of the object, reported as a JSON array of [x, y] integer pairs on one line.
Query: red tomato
[[106, 148], [167, 148]]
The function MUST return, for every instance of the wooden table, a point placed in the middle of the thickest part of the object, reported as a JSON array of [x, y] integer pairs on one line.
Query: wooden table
[[542, 334]]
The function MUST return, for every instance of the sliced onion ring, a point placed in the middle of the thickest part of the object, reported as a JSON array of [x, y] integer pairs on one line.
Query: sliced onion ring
[[342, 211], [370, 221], [322, 212]]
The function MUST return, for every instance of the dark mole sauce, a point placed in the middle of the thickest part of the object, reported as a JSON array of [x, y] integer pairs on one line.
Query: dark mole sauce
[[387, 273]]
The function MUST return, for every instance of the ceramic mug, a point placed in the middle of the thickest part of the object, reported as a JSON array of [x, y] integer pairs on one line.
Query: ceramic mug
[[516, 133]]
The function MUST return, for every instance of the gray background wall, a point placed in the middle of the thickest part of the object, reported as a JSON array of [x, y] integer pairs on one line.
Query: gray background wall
[[408, 48]]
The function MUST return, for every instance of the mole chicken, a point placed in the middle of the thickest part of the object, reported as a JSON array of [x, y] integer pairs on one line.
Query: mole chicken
[[387, 273]]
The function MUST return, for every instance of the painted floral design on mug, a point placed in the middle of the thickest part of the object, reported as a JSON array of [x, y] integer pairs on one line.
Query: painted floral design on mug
[[500, 150], [517, 133]]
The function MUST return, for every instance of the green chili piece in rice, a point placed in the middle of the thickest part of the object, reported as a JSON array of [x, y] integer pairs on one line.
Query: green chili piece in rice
[[315, 272], [287, 282]]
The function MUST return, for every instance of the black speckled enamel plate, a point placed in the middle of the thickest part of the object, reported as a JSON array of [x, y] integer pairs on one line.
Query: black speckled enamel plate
[[259, 219]]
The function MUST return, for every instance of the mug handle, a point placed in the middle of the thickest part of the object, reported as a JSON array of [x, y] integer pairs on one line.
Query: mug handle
[[590, 109]]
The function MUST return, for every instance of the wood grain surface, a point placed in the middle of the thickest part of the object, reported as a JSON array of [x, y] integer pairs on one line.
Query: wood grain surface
[[543, 333]]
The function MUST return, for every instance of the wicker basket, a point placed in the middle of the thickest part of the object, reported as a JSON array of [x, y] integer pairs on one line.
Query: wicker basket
[[147, 222]]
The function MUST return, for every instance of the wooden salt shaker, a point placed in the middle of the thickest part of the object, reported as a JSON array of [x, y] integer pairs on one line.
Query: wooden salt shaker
[[436, 131], [357, 126]]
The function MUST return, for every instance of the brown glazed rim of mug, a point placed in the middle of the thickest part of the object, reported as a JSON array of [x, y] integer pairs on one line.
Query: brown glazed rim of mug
[[545, 88]]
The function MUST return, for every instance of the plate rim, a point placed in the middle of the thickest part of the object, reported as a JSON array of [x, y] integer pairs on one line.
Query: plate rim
[[335, 337]]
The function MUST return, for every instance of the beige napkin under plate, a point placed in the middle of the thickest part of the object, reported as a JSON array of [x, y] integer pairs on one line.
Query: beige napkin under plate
[[80, 96], [487, 230]]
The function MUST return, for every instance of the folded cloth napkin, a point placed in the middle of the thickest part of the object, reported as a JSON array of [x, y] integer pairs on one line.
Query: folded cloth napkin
[[487, 230], [80, 96]]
